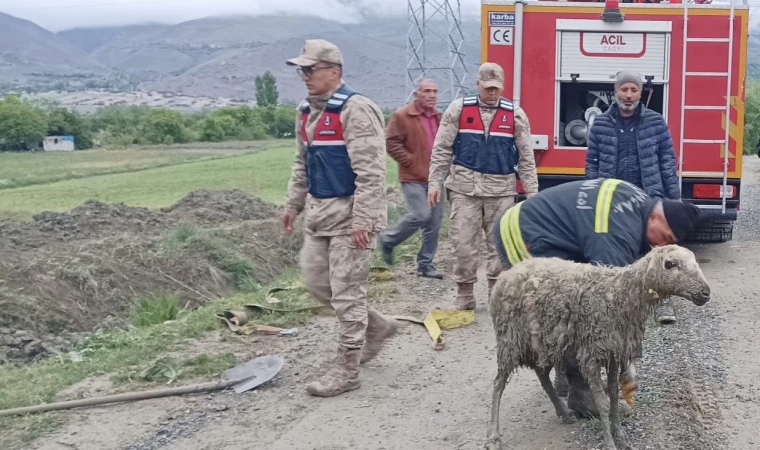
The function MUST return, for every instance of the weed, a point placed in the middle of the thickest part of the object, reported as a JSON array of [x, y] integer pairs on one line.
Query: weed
[[82, 275], [155, 309], [209, 366], [167, 369], [290, 293], [218, 246]]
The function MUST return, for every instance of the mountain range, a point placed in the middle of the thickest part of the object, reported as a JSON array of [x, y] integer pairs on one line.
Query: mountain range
[[218, 57]]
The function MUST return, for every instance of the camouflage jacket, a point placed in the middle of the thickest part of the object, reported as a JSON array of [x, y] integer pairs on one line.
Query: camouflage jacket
[[364, 133], [468, 182]]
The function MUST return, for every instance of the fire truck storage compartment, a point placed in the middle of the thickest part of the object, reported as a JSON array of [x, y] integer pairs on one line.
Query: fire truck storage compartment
[[581, 102], [590, 53]]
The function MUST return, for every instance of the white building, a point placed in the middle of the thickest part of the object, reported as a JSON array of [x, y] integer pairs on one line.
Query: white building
[[58, 143]]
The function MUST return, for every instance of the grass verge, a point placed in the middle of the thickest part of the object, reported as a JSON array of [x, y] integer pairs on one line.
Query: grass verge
[[130, 354]]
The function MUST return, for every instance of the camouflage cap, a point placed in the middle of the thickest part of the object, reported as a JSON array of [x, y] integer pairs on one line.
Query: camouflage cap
[[491, 75], [316, 50]]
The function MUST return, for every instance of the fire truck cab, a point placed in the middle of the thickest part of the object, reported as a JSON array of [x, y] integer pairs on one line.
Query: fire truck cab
[[560, 59]]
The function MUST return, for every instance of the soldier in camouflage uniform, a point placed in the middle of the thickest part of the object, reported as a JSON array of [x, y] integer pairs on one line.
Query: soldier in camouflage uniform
[[475, 147], [339, 180]]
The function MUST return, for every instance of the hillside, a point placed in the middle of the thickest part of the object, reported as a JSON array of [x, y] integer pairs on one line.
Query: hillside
[[216, 57], [89, 39], [221, 56], [753, 56], [29, 53]]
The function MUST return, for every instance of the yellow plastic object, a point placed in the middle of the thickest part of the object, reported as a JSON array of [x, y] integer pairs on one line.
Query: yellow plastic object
[[629, 389], [439, 319]]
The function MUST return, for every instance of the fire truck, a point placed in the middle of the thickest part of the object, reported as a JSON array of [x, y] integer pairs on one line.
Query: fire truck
[[560, 59]]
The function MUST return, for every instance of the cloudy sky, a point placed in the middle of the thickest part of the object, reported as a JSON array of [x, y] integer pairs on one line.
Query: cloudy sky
[[57, 15]]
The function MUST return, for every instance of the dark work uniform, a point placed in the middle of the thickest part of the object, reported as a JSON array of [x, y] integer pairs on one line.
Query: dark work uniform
[[601, 221]]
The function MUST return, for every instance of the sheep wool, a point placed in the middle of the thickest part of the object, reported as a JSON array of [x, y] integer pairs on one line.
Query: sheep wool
[[548, 311]]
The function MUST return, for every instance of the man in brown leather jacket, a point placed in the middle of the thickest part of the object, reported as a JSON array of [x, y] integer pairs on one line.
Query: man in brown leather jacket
[[409, 140]]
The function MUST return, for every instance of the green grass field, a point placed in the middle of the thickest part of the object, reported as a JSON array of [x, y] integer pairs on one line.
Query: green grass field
[[156, 179], [24, 169]]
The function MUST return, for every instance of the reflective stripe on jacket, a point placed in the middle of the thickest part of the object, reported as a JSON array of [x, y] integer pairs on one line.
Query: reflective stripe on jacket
[[601, 221]]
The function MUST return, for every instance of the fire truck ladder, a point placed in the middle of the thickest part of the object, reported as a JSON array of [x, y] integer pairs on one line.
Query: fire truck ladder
[[725, 141]]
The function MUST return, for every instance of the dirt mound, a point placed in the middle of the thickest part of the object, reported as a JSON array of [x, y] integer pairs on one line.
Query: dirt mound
[[94, 218], [74, 272], [89, 220], [219, 206]]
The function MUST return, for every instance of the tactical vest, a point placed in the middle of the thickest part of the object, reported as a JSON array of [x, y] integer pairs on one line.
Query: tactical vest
[[328, 167], [494, 154]]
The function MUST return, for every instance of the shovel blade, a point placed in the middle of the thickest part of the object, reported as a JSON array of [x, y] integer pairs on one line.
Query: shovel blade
[[254, 373]]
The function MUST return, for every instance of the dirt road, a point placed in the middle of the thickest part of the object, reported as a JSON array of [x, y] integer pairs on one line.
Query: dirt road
[[698, 387]]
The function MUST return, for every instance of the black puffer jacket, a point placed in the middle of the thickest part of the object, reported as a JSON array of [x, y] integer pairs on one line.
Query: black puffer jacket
[[656, 156]]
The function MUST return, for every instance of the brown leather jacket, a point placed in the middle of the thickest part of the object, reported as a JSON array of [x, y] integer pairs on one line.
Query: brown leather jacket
[[407, 143]]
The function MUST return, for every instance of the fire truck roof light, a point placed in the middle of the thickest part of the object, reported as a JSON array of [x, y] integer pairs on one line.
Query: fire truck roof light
[[612, 12]]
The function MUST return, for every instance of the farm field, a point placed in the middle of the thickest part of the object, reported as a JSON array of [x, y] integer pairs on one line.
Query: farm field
[[24, 169], [150, 178]]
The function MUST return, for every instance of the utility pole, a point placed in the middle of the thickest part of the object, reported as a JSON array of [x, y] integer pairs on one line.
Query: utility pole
[[435, 48]]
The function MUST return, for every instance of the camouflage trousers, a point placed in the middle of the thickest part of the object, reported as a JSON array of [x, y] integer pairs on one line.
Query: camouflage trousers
[[470, 218], [336, 274]]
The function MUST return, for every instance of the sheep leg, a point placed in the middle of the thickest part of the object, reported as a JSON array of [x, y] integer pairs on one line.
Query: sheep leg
[[618, 433], [594, 377], [559, 406], [494, 440]]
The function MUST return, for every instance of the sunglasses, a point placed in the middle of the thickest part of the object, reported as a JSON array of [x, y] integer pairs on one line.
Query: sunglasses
[[308, 71]]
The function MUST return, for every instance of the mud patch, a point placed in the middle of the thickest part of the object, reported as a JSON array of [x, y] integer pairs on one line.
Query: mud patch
[[221, 206], [74, 272]]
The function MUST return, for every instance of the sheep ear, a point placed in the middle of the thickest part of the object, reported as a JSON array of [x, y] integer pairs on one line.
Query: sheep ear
[[670, 264]]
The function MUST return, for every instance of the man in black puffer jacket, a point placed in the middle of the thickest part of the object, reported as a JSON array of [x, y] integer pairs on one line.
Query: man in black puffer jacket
[[632, 143]]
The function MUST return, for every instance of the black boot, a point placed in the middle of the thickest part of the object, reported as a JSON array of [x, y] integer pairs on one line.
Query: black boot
[[579, 399]]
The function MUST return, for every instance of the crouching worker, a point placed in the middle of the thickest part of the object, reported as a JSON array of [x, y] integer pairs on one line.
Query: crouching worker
[[338, 179], [600, 221]]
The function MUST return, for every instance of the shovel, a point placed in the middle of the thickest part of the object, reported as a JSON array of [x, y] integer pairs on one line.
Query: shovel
[[241, 378]]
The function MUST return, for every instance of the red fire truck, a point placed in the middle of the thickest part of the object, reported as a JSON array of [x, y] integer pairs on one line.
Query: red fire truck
[[560, 58]]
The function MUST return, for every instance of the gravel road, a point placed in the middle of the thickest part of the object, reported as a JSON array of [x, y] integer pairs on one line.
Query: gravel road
[[698, 380]]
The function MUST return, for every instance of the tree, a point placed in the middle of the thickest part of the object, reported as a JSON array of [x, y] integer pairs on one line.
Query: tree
[[22, 126], [218, 128], [752, 117], [266, 89], [164, 126], [283, 123]]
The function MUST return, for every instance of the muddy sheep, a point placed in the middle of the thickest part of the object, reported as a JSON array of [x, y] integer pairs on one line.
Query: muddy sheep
[[547, 310]]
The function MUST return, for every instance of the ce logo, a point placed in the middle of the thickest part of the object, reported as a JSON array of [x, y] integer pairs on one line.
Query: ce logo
[[501, 35]]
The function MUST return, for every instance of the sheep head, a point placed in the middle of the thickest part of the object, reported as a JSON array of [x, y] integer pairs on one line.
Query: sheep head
[[674, 270]]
